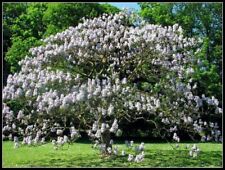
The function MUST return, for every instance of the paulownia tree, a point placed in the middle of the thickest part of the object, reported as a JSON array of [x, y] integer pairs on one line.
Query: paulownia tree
[[85, 79]]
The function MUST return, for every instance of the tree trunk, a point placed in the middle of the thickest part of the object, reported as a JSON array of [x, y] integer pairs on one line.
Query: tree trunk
[[105, 139]]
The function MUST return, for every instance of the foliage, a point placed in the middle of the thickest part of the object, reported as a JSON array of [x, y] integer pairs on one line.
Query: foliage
[[197, 19], [26, 31], [10, 13], [24, 24], [19, 50], [29, 23], [60, 16], [109, 9]]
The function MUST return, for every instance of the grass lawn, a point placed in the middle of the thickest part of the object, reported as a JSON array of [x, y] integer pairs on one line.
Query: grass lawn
[[82, 155]]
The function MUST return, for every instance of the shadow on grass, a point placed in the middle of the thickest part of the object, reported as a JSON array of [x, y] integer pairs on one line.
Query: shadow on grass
[[159, 158], [180, 158]]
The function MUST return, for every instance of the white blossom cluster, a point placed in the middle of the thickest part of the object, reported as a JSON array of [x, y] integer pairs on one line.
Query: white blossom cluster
[[16, 142], [97, 129], [141, 102], [139, 157], [139, 150], [176, 138], [107, 34], [194, 151], [212, 134], [199, 101], [192, 108]]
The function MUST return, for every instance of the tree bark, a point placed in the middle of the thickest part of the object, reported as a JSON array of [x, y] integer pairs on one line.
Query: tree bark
[[105, 139]]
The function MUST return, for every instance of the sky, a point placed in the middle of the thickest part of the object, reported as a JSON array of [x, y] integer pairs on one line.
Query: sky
[[122, 5]]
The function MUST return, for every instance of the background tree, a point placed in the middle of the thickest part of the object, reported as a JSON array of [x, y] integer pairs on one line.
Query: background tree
[[10, 12], [27, 31], [26, 23], [197, 19], [60, 16]]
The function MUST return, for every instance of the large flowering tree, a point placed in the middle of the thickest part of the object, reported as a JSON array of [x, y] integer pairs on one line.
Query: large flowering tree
[[86, 79]]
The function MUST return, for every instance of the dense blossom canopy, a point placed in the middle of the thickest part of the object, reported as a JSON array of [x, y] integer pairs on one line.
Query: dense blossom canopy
[[85, 78]]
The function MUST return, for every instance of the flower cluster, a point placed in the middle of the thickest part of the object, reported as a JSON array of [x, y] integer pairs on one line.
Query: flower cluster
[[176, 138], [139, 157], [194, 151], [16, 142], [139, 150]]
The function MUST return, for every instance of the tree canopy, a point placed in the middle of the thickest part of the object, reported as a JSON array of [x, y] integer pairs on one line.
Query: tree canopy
[[26, 23]]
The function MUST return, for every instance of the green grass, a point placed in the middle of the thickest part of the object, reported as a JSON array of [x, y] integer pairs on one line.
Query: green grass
[[82, 155]]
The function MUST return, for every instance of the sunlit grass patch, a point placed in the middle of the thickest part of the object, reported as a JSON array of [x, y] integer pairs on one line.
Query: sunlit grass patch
[[82, 155]]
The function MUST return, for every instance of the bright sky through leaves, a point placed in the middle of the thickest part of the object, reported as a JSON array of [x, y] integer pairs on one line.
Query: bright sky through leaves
[[122, 5]]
